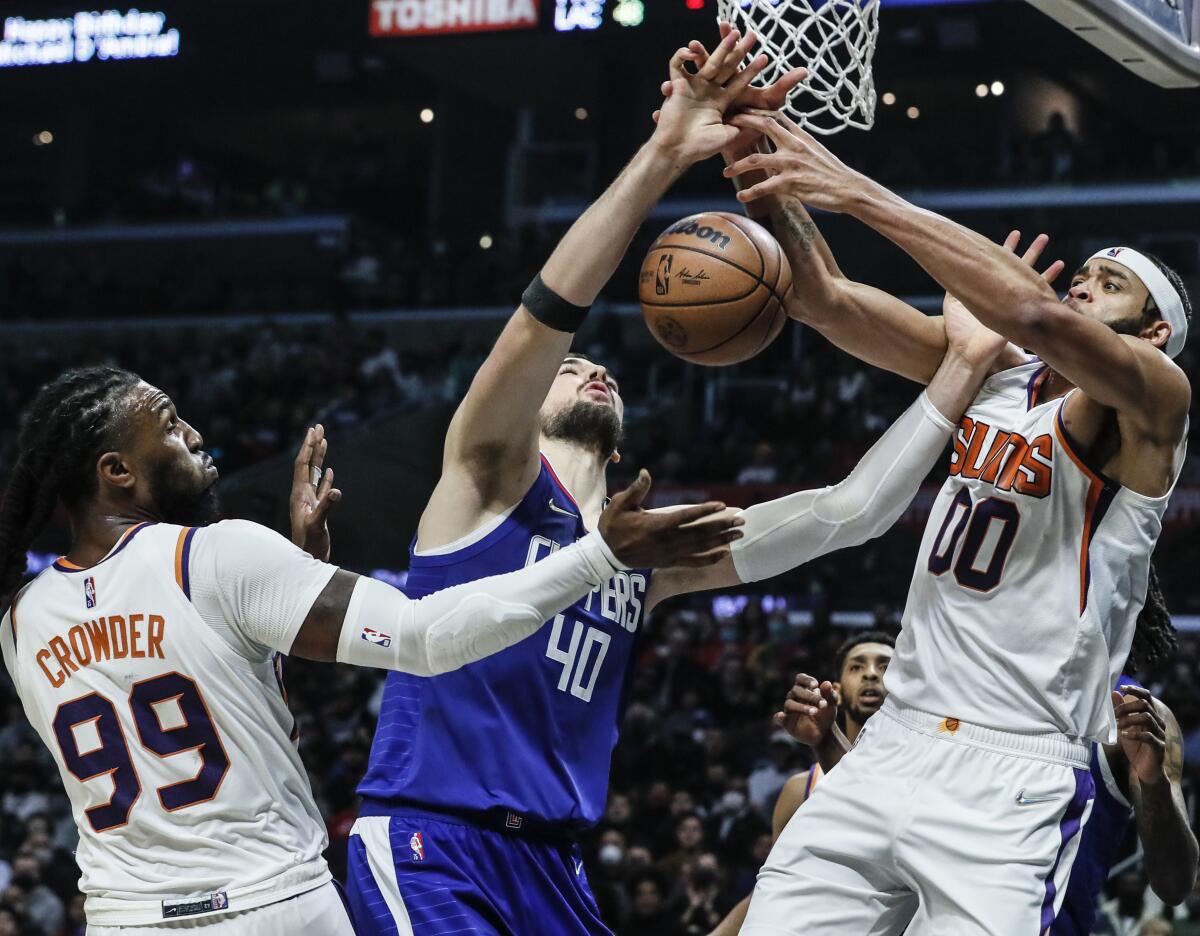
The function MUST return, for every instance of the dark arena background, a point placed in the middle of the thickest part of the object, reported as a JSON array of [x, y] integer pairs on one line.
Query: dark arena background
[[281, 214]]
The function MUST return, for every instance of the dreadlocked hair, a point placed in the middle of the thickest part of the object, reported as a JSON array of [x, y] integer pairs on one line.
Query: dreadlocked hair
[[72, 420], [1154, 639]]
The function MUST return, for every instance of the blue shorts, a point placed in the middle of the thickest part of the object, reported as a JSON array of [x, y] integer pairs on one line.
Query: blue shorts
[[427, 875]]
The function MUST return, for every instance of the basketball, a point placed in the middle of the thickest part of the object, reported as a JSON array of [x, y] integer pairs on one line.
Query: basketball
[[712, 288]]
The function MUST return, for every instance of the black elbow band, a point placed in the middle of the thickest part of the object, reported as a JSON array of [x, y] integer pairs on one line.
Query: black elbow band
[[551, 309]]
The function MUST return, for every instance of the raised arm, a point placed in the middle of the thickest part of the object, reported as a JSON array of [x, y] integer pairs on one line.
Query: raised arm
[[1119, 372], [491, 452], [868, 323], [1151, 744], [789, 531]]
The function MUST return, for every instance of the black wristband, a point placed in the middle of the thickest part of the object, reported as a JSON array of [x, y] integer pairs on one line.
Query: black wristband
[[551, 309]]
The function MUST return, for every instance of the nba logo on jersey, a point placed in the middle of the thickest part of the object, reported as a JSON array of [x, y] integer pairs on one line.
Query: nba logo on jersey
[[417, 844], [89, 591], [220, 901], [376, 637]]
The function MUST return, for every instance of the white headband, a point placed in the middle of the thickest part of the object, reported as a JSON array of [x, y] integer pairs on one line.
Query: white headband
[[1166, 297]]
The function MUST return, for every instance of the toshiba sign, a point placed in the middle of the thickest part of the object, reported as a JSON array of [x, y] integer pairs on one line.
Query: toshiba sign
[[430, 17]]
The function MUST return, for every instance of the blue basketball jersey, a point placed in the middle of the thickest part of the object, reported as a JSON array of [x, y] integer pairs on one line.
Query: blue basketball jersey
[[529, 731], [1098, 844]]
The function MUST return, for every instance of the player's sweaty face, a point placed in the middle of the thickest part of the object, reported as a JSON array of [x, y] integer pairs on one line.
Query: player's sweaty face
[[167, 452], [583, 381], [1110, 293], [861, 685]]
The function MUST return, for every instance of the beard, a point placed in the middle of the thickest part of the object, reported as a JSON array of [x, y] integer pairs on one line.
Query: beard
[[1131, 325], [593, 426], [181, 503]]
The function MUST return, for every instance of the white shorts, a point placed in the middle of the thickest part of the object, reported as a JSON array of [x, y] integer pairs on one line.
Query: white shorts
[[318, 912], [930, 827]]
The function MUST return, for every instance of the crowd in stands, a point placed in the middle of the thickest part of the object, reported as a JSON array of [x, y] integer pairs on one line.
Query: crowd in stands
[[694, 777], [699, 763]]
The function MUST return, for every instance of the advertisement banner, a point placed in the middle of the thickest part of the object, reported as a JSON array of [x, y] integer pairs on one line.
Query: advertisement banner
[[441, 17]]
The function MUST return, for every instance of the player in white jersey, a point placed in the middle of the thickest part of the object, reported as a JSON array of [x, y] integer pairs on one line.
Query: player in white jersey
[[147, 659], [1031, 573]]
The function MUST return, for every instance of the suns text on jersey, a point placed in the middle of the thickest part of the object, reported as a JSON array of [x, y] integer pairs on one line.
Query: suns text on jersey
[[113, 637], [1003, 458]]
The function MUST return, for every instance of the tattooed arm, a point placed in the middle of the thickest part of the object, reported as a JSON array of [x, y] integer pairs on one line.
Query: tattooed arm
[[862, 320], [866, 322]]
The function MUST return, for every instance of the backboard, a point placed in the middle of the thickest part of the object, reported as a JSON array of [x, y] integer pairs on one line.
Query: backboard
[[1156, 39]]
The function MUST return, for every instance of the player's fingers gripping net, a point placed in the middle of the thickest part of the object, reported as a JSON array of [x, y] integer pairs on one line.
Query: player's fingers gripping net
[[833, 39]]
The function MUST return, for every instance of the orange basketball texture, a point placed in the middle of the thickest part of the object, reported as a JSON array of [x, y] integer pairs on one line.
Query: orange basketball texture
[[712, 288]]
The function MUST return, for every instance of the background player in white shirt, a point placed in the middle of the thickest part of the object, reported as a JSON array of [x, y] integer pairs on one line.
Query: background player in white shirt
[[147, 658], [1029, 581]]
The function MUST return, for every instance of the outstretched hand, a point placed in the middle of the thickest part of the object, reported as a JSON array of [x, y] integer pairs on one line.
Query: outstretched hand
[[685, 536], [809, 711], [769, 98], [965, 334], [1142, 732], [313, 495], [801, 165], [691, 122]]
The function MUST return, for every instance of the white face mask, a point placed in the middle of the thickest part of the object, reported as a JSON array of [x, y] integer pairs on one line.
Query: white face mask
[[611, 854]]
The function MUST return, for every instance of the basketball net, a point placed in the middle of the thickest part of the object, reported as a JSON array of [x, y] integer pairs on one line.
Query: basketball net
[[833, 39]]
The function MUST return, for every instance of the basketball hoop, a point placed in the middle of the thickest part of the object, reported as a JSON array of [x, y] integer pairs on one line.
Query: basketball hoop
[[833, 39]]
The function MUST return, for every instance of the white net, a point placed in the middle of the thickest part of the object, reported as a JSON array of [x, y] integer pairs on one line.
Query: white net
[[833, 39]]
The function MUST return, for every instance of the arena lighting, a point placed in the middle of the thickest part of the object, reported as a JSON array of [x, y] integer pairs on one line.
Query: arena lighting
[[888, 98], [45, 138], [107, 36], [981, 90], [581, 113], [629, 12], [913, 113], [570, 15], [997, 88], [427, 115], [485, 242]]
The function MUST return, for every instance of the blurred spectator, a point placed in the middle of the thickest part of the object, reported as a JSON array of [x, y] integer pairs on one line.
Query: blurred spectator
[[650, 915]]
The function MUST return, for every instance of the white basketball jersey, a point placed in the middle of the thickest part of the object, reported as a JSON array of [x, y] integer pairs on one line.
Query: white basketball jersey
[[1032, 571], [176, 750]]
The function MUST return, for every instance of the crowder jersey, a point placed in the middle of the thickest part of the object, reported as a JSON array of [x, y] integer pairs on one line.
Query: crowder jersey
[[1099, 842], [174, 742], [528, 733], [1032, 571]]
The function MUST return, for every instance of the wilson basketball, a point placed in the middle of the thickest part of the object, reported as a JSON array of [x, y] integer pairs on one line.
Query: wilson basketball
[[712, 288]]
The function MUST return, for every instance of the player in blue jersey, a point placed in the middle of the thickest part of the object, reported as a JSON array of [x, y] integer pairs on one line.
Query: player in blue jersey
[[478, 781]]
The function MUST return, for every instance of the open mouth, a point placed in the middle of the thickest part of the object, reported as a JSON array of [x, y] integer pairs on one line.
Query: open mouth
[[870, 697]]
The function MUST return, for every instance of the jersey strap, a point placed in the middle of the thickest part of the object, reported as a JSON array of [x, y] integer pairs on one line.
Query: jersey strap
[[183, 554]]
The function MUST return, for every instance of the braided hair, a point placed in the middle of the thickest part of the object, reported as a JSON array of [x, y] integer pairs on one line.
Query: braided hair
[[71, 422], [1154, 639]]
